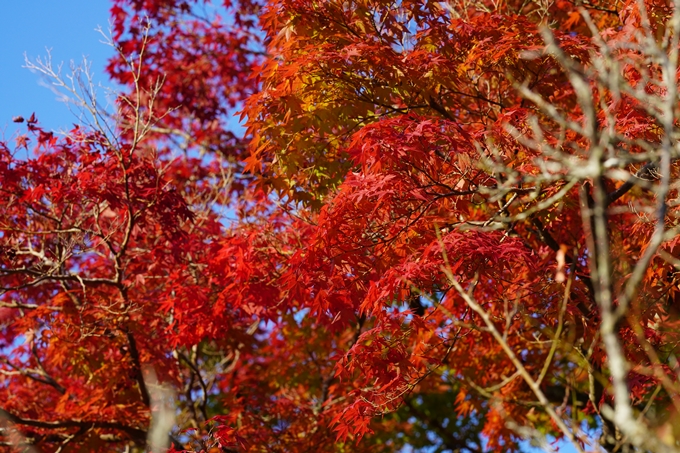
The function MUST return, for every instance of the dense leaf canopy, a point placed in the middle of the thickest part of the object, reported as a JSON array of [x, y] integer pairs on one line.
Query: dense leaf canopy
[[446, 226]]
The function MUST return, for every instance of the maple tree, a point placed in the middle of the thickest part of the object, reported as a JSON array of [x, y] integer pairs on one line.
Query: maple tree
[[447, 226]]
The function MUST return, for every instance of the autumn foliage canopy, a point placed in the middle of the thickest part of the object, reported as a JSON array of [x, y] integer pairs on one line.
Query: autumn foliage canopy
[[439, 226]]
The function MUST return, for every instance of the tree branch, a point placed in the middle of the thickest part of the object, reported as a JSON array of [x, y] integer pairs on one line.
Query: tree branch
[[135, 433], [134, 355]]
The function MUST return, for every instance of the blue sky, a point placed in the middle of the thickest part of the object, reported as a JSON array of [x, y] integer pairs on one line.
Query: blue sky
[[67, 27]]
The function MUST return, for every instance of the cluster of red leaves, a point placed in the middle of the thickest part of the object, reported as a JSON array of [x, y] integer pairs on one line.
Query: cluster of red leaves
[[200, 56], [297, 312], [335, 127], [114, 264]]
